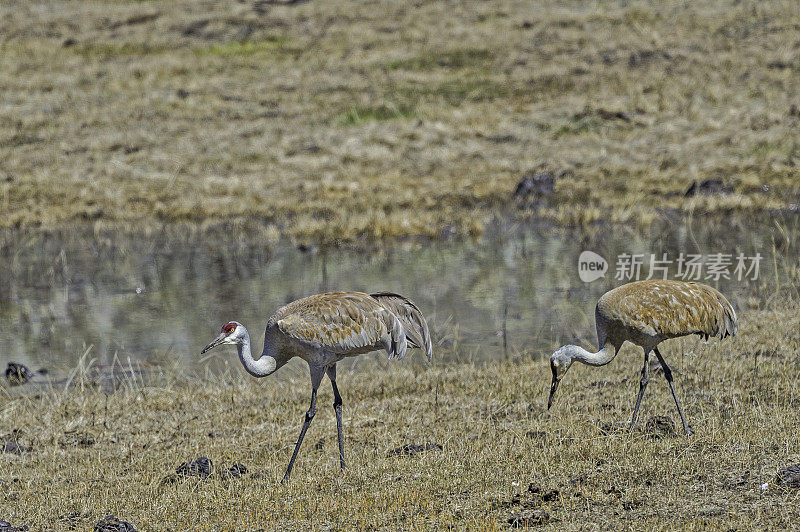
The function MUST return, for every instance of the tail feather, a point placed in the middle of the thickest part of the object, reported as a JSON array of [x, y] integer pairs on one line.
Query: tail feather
[[724, 322], [731, 321], [410, 318]]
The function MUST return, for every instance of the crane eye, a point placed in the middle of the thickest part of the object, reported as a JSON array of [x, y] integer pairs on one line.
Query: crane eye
[[228, 328]]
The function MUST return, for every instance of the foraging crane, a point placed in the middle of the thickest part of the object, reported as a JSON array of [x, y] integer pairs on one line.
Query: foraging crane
[[646, 313], [322, 330]]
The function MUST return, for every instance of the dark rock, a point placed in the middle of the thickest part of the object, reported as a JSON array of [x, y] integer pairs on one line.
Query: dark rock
[[235, 471], [612, 427], [448, 231], [195, 28], [10, 443], [410, 449], [536, 435], [112, 524], [550, 495], [502, 139], [789, 477], [779, 65], [535, 184], [201, 467], [13, 447], [5, 526], [18, 374], [604, 114], [528, 518], [707, 187], [69, 41], [310, 148], [660, 427], [645, 57]]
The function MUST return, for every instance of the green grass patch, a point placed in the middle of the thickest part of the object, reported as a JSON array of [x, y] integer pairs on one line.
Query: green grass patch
[[244, 48]]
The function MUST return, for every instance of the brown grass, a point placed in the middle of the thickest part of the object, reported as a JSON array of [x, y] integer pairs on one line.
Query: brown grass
[[345, 120], [94, 453]]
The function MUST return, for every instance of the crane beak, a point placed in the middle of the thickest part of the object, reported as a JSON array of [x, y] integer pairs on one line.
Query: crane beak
[[218, 340], [553, 388]]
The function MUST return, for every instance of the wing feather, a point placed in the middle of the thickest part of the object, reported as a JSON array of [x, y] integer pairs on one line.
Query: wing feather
[[411, 318], [344, 323]]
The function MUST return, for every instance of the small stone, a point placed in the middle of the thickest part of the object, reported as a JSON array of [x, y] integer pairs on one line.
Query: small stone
[[410, 449], [535, 184], [708, 187], [201, 467], [789, 477], [5, 526], [17, 374], [112, 524], [13, 447], [660, 427], [235, 471]]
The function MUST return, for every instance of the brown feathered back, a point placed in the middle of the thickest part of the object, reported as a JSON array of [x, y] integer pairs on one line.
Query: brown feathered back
[[351, 323], [341, 322], [665, 309]]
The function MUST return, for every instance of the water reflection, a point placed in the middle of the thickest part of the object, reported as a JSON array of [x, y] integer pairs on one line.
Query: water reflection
[[514, 292]]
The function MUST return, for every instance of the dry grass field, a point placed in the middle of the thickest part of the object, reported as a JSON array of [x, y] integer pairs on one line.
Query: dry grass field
[[503, 456], [346, 122], [351, 120]]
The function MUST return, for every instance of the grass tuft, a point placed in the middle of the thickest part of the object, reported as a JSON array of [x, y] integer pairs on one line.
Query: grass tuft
[[360, 115]]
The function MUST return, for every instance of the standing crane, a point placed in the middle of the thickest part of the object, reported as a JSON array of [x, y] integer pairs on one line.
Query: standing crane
[[646, 313], [322, 330]]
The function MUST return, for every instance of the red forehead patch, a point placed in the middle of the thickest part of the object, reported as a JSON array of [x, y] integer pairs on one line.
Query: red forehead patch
[[228, 327]]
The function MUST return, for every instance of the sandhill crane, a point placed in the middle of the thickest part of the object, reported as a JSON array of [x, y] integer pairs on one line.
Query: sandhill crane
[[322, 330], [646, 313]]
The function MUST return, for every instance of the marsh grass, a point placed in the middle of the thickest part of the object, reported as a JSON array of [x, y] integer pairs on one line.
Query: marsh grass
[[94, 452], [143, 114]]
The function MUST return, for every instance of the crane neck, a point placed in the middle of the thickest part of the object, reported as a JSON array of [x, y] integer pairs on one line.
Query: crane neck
[[267, 364], [601, 358]]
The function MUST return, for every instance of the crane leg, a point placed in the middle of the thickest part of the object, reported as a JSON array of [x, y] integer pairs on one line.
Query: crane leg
[[668, 376], [337, 407], [642, 386], [316, 378]]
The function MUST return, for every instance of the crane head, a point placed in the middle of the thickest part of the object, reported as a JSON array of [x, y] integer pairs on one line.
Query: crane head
[[228, 335], [560, 361]]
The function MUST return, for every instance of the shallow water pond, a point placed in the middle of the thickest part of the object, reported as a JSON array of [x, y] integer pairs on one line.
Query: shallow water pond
[[515, 292]]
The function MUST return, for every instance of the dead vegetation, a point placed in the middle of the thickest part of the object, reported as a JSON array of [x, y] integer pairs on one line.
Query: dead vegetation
[[342, 121]]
